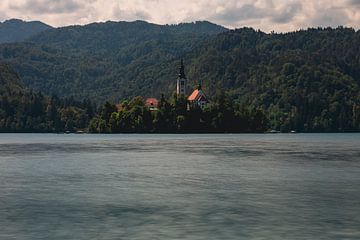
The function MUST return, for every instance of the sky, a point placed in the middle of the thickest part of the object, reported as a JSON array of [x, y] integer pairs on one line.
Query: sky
[[266, 15]]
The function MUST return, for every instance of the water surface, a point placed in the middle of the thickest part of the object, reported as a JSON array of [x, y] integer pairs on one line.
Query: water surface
[[284, 186]]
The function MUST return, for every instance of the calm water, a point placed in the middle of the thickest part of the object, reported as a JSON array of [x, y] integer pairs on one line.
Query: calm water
[[300, 186]]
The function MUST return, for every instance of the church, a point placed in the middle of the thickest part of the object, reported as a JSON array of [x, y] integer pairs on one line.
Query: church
[[197, 97]]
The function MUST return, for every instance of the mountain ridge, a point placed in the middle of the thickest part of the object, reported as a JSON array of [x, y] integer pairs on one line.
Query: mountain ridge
[[16, 30], [112, 35]]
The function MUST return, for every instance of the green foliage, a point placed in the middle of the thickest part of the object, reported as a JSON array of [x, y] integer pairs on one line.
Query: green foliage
[[306, 80], [106, 61], [25, 111], [16, 30], [175, 116]]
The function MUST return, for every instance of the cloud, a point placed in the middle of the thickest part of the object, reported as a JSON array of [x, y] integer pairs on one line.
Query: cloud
[[355, 2], [119, 13], [287, 13], [268, 15], [251, 12], [45, 6], [331, 17], [247, 11], [3, 14]]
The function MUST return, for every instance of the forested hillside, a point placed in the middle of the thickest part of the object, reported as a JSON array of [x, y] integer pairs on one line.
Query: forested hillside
[[23, 110], [16, 30], [106, 61], [306, 80], [117, 37]]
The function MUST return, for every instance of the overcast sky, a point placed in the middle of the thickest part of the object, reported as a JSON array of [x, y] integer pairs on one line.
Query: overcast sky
[[267, 15]]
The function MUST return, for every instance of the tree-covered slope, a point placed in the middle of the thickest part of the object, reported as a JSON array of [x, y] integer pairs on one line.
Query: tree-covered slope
[[112, 60], [306, 80], [16, 30], [116, 37], [23, 110]]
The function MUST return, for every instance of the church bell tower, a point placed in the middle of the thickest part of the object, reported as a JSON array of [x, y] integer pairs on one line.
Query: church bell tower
[[181, 81]]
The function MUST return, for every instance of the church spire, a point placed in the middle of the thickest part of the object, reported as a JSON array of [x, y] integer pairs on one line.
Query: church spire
[[182, 70], [181, 81]]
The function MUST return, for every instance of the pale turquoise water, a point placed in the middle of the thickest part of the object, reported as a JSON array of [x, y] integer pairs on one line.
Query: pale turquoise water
[[301, 186]]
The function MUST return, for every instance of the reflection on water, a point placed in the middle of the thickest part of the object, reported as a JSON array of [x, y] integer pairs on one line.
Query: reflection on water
[[303, 186]]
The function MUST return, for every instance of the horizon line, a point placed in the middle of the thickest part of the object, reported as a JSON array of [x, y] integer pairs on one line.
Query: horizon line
[[175, 24]]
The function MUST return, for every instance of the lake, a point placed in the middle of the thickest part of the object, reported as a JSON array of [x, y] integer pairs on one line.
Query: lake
[[241, 186]]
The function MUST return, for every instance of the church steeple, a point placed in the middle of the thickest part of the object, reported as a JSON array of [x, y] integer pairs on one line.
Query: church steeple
[[181, 81], [182, 70]]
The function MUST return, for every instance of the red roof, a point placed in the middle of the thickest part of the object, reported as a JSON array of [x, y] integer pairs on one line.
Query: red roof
[[197, 95], [194, 95], [151, 102]]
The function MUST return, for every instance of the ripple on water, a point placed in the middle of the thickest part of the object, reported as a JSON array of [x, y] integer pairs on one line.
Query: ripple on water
[[179, 186]]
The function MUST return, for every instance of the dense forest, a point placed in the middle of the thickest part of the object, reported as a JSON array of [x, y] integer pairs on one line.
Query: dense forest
[[306, 80], [174, 115], [106, 61], [15, 30], [23, 110]]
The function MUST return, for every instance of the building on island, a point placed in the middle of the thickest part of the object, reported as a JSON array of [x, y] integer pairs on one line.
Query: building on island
[[181, 81], [196, 99], [152, 104]]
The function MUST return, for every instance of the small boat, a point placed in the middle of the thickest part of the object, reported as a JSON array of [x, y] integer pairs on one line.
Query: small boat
[[274, 131]]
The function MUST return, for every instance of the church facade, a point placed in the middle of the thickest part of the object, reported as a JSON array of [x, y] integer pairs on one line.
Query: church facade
[[181, 81], [197, 97]]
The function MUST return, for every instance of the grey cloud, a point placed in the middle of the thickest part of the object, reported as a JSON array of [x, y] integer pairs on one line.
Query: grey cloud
[[251, 12], [142, 15], [130, 15], [3, 16], [330, 18], [287, 14], [245, 12], [47, 6], [355, 2]]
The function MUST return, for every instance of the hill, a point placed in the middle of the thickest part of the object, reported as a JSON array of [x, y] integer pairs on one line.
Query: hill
[[16, 30], [306, 80], [113, 37], [111, 60], [22, 110]]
